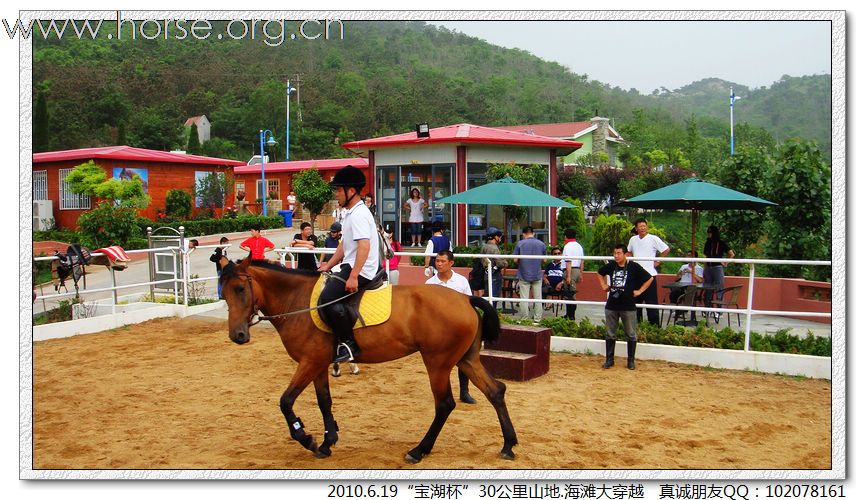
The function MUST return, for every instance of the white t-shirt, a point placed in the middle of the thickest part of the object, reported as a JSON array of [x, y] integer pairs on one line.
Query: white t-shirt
[[686, 273], [457, 282], [292, 201], [650, 246], [572, 249], [415, 210], [339, 214], [359, 225]]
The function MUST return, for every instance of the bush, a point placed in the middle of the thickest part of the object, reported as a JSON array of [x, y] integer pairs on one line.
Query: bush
[[572, 218], [217, 226], [107, 225], [178, 204]]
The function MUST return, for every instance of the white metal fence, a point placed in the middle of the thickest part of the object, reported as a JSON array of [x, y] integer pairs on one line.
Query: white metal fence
[[181, 280]]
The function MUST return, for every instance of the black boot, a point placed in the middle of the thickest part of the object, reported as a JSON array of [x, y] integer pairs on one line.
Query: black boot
[[465, 397], [611, 353], [347, 350], [632, 349]]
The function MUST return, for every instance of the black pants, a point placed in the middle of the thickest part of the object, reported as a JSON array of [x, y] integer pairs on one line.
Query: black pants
[[650, 296], [337, 315]]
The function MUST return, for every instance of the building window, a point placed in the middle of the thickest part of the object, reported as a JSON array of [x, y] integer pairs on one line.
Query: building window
[[68, 199], [40, 185], [272, 185], [239, 186]]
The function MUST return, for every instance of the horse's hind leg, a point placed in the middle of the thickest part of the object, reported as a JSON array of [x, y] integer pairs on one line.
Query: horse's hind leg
[[302, 377], [322, 394], [495, 393], [444, 405]]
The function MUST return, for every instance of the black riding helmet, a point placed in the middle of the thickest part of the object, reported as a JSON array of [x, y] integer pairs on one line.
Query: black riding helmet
[[349, 177]]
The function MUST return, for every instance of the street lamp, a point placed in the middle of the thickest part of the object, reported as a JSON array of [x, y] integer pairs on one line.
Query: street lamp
[[288, 90], [262, 135], [733, 99]]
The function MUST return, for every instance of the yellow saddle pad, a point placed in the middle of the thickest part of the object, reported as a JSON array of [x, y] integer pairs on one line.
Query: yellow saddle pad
[[374, 306]]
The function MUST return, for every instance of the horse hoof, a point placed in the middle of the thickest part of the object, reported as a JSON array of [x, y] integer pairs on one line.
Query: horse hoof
[[323, 452], [508, 455], [410, 459]]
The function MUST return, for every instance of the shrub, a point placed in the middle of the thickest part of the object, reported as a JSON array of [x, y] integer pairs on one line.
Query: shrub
[[572, 218], [178, 204], [107, 225], [217, 226]]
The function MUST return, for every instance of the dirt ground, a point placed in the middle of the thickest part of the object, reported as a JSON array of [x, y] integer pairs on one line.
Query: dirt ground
[[178, 394]]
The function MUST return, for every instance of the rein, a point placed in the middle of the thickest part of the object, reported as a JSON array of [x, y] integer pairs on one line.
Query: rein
[[256, 319]]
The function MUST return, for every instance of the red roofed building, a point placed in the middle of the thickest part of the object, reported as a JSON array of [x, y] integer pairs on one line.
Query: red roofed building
[[451, 160], [596, 136], [159, 170], [279, 175]]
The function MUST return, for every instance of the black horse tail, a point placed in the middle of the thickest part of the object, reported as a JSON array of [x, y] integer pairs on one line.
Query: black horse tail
[[490, 327]]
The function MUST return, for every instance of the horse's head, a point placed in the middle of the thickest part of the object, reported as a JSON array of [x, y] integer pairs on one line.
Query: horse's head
[[239, 295]]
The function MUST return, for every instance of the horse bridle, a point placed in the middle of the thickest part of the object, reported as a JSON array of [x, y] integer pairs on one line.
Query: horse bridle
[[253, 320]]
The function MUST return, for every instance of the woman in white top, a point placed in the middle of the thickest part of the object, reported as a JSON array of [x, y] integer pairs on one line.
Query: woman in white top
[[415, 206]]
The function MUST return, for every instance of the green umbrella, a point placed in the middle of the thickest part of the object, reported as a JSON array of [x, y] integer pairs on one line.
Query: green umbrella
[[695, 194], [506, 191]]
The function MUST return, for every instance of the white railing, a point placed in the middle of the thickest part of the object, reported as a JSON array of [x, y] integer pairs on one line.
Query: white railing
[[289, 253]]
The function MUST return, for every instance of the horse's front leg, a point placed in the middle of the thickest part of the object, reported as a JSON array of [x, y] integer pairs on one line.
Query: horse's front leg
[[331, 429], [305, 373]]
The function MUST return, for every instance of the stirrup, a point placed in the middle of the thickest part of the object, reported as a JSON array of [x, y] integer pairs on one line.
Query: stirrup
[[347, 356]]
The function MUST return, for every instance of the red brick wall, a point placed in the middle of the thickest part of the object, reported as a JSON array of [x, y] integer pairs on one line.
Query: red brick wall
[[161, 177]]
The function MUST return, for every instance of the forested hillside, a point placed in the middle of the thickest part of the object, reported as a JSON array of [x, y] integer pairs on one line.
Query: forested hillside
[[383, 78]]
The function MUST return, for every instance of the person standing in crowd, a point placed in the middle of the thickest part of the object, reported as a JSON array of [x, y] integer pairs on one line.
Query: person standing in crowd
[[715, 248], [334, 234], [529, 274], [494, 238], [436, 244], [291, 199], [445, 276], [415, 205], [306, 240], [572, 268], [627, 280], [393, 262], [257, 245], [648, 245], [338, 214], [357, 259], [367, 200], [553, 274], [215, 257], [192, 244]]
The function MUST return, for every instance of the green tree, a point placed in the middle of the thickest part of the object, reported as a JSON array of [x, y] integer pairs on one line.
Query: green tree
[[609, 231], [574, 184], [90, 179], [41, 134], [800, 227], [108, 224], [178, 204], [572, 218], [193, 147], [313, 192]]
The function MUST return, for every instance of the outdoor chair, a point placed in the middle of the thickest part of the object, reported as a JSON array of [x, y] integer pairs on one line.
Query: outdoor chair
[[688, 299], [727, 302]]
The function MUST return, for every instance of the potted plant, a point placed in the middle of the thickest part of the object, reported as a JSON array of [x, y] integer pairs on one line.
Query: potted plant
[[240, 195], [272, 195]]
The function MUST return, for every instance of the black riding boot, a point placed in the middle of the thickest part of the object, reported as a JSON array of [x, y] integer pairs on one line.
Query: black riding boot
[[347, 349], [465, 397], [632, 349], [611, 353]]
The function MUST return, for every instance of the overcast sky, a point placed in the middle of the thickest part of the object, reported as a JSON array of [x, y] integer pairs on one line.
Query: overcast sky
[[647, 55]]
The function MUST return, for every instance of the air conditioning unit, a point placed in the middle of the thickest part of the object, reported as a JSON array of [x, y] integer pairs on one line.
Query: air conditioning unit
[[43, 215]]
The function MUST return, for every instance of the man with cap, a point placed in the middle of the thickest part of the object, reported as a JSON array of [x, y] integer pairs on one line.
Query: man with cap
[[355, 262], [331, 240]]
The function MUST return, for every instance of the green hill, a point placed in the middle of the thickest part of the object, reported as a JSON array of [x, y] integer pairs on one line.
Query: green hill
[[383, 78]]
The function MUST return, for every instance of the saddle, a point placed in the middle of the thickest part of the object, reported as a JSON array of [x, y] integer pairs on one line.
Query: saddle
[[70, 265], [371, 305]]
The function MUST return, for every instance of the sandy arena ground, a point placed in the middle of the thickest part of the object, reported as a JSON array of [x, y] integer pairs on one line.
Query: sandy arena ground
[[178, 394]]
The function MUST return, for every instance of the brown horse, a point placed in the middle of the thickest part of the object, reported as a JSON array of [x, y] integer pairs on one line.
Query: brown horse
[[440, 323]]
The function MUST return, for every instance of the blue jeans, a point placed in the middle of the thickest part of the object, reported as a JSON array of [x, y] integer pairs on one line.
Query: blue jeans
[[218, 284]]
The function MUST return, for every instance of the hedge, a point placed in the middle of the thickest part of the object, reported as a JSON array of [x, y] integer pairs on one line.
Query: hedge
[[193, 228], [699, 336]]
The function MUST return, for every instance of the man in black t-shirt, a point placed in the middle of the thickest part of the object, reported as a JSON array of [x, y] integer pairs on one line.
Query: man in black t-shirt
[[627, 280], [305, 239]]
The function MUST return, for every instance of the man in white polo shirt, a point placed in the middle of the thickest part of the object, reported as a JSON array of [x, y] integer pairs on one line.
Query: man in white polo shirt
[[445, 276], [572, 269], [356, 259], [644, 244]]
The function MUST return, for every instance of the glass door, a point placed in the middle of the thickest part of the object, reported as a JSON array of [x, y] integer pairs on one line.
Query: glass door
[[388, 199]]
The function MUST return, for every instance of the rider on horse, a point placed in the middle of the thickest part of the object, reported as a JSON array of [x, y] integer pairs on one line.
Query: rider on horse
[[356, 257]]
